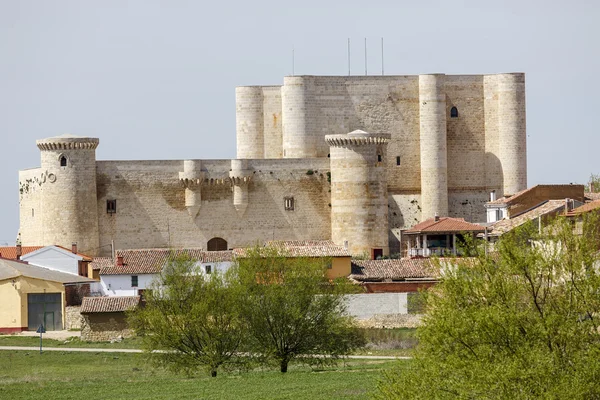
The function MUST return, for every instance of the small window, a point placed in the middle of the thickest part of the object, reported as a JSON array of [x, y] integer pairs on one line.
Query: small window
[[454, 112], [63, 161], [379, 158], [32, 213], [134, 281], [328, 155], [207, 269], [111, 206], [288, 203], [397, 160], [498, 214]]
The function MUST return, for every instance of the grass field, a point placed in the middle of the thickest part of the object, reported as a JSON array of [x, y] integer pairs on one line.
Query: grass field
[[63, 375]]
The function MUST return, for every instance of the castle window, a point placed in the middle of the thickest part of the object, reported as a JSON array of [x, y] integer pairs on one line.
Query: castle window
[[397, 160], [32, 212], [454, 112], [288, 203], [111, 206], [216, 244], [207, 268], [63, 161], [379, 158]]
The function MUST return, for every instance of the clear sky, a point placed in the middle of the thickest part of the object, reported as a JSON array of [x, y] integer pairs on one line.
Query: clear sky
[[156, 79]]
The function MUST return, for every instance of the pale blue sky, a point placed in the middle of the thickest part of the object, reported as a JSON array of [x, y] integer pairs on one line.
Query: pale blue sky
[[155, 79]]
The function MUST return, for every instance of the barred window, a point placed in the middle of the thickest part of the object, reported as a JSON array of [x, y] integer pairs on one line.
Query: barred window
[[111, 206], [288, 203]]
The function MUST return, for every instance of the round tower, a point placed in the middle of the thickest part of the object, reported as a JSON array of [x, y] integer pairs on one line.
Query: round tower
[[297, 139], [512, 141], [434, 163], [359, 198], [249, 122], [69, 206]]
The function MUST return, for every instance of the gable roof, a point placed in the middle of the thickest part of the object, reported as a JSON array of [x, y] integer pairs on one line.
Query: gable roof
[[151, 261], [397, 269], [10, 252], [505, 225], [10, 269], [60, 249], [445, 224], [108, 304]]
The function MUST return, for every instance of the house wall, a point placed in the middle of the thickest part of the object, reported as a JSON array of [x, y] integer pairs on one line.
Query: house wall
[[340, 267], [54, 259], [104, 327], [13, 300], [120, 285]]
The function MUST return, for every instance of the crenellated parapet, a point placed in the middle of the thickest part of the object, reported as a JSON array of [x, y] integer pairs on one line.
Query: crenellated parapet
[[68, 142], [357, 138]]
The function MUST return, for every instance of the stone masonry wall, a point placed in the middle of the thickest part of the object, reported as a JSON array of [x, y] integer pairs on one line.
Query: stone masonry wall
[[72, 317], [104, 327], [151, 208]]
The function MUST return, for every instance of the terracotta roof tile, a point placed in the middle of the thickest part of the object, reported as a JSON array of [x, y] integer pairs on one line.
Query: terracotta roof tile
[[109, 304], [151, 261], [101, 262], [445, 224], [505, 225], [10, 252], [304, 248], [593, 205], [592, 196], [397, 269]]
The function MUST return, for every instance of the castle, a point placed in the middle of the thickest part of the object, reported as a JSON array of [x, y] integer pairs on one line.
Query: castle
[[354, 159]]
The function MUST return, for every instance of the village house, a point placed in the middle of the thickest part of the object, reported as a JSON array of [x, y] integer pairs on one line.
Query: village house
[[31, 296]]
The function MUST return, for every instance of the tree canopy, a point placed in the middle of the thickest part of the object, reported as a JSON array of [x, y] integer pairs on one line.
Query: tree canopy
[[521, 322], [191, 318], [292, 311]]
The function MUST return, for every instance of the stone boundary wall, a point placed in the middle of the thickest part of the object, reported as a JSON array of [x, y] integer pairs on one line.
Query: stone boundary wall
[[72, 317], [104, 327]]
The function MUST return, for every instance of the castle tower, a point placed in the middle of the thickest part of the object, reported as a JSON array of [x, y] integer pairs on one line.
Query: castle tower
[[359, 198], [249, 120], [69, 206], [192, 178], [512, 138], [298, 140], [240, 178], [434, 164]]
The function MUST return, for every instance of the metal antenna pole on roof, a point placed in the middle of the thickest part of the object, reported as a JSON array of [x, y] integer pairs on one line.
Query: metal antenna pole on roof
[[293, 61], [348, 56], [365, 56], [382, 57]]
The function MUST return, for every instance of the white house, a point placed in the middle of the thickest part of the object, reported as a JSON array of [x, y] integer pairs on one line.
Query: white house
[[133, 271], [58, 258]]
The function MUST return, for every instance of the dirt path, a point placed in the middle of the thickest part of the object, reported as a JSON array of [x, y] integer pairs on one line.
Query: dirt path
[[58, 335]]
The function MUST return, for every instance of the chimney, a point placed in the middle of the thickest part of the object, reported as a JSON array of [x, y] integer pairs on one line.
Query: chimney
[[568, 205], [74, 247], [436, 217], [19, 251], [120, 261], [493, 195]]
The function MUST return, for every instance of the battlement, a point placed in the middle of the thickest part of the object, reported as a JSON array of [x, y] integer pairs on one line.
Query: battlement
[[68, 142]]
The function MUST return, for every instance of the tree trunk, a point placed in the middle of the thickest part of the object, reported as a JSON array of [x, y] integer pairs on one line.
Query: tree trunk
[[284, 364], [213, 373]]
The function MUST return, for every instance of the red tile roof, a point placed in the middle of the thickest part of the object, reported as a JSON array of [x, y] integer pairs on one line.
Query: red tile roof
[[593, 205], [101, 262], [85, 257], [151, 261], [399, 269], [445, 224], [303, 248], [109, 304], [505, 225], [10, 252]]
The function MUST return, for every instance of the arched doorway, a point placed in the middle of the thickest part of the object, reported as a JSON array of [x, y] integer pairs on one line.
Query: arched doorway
[[217, 244]]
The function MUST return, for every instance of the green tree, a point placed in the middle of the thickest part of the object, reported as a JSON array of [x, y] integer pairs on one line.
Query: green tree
[[192, 319], [522, 323], [292, 311]]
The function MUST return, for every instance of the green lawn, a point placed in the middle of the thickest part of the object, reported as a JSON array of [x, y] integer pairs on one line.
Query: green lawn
[[14, 340], [63, 375]]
